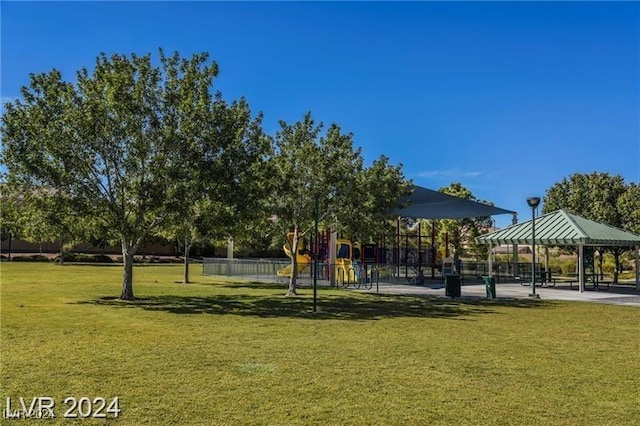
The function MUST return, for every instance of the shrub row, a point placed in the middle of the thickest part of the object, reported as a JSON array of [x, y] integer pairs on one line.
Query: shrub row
[[88, 258], [31, 258], [81, 257]]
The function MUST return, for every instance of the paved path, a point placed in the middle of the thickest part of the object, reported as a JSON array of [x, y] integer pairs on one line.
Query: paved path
[[615, 295]]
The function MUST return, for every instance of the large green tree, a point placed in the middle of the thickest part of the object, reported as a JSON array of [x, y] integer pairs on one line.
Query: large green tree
[[222, 153], [594, 196], [598, 196], [628, 205], [106, 144]]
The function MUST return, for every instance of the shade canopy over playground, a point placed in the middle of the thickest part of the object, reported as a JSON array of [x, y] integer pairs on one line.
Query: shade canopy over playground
[[562, 228], [426, 203]]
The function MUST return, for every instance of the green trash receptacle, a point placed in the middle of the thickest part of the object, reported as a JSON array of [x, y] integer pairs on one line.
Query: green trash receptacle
[[452, 285], [490, 286]]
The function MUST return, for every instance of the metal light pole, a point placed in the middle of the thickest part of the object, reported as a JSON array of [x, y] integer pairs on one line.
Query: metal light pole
[[315, 258], [533, 202]]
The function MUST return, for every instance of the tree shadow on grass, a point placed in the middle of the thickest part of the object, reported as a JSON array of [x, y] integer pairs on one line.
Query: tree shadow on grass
[[330, 307], [258, 285]]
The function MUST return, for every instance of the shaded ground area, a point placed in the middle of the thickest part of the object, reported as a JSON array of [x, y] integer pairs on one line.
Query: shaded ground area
[[348, 307]]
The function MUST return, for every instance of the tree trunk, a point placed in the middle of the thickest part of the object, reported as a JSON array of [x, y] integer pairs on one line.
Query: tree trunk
[[616, 255], [293, 279], [187, 246], [62, 251], [127, 277]]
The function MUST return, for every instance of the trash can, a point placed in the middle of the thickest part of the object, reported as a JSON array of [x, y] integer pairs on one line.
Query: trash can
[[452, 285], [490, 286]]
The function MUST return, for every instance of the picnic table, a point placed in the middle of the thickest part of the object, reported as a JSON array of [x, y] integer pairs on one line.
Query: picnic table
[[594, 280]]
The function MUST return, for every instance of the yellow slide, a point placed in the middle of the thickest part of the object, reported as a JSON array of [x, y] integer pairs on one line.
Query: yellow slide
[[345, 273], [304, 260]]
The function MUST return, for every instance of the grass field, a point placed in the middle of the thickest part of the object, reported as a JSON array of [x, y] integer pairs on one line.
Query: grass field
[[220, 352]]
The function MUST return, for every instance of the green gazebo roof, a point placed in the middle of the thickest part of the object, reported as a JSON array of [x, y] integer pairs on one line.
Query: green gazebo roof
[[561, 228]]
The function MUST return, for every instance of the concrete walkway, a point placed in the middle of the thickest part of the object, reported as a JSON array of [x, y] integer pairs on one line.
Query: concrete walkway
[[619, 295]]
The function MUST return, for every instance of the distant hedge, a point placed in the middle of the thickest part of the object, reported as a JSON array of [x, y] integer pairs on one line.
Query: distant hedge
[[31, 258], [69, 257], [84, 258]]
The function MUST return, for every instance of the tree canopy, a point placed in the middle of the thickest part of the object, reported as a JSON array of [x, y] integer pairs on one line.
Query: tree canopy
[[461, 233], [601, 197], [132, 149], [327, 171], [125, 143]]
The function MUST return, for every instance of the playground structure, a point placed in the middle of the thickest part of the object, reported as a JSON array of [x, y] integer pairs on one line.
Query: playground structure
[[405, 256], [347, 261], [407, 253], [303, 257]]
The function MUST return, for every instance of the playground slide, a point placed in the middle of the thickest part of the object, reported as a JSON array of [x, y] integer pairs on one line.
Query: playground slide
[[304, 260], [345, 272]]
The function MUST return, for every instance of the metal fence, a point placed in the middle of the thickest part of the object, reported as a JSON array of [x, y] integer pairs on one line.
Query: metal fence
[[266, 270], [258, 269]]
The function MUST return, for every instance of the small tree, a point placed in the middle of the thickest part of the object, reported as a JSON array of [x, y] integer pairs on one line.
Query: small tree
[[11, 225], [328, 172], [379, 189], [462, 233], [300, 180]]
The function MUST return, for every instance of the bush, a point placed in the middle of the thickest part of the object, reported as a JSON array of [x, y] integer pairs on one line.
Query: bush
[[164, 260], [84, 258], [65, 257], [135, 260], [564, 266], [609, 265], [102, 258], [32, 258]]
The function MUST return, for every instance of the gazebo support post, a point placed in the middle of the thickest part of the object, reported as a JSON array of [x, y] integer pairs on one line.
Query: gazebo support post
[[637, 268], [515, 259], [546, 259], [581, 268], [490, 260], [433, 249]]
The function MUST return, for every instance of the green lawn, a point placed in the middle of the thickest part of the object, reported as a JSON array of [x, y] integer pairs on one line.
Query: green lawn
[[216, 352]]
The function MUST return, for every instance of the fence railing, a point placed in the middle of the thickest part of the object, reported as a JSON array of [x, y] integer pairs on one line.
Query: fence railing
[[266, 270]]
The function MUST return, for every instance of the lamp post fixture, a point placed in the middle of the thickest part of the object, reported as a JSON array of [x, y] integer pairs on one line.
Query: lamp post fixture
[[533, 202]]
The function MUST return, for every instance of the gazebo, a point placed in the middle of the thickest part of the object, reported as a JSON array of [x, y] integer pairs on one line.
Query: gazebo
[[562, 228]]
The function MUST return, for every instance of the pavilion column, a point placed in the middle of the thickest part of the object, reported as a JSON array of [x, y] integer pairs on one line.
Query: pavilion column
[[490, 262], [581, 267], [515, 259], [546, 258], [637, 268]]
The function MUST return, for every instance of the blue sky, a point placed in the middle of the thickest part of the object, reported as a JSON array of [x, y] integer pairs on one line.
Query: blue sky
[[507, 98]]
